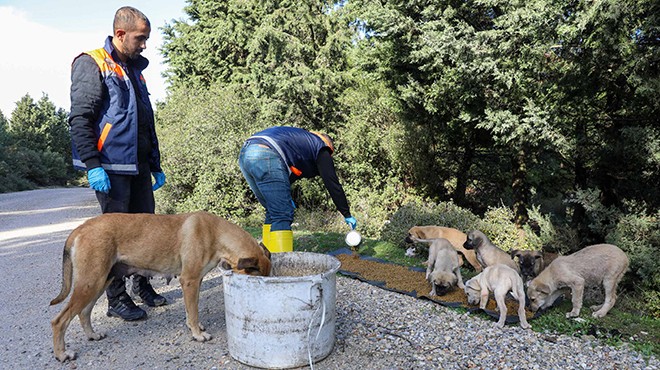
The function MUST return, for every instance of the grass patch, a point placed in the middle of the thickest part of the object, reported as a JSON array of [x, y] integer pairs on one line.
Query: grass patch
[[619, 326]]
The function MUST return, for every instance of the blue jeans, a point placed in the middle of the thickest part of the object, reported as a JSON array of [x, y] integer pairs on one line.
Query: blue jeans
[[268, 177]]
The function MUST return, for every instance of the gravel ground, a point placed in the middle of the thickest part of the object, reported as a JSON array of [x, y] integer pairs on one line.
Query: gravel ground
[[376, 329]]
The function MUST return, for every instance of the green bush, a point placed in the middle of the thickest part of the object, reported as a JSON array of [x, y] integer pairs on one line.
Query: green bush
[[638, 234], [57, 170], [652, 301], [500, 228], [201, 133], [11, 180], [420, 213], [497, 224]]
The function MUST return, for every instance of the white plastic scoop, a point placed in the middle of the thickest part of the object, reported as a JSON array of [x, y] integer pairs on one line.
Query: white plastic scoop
[[353, 238]]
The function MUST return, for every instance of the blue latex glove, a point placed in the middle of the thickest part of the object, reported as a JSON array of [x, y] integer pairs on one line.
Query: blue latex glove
[[160, 180], [351, 221], [293, 204], [98, 180]]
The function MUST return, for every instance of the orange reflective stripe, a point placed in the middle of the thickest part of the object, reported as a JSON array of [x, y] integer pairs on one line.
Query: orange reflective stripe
[[106, 64], [326, 139], [104, 135], [295, 171]]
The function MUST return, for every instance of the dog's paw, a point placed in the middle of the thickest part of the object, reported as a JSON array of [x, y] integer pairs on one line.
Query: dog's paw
[[202, 337], [572, 314], [66, 355], [96, 336], [500, 324], [525, 325], [598, 314]]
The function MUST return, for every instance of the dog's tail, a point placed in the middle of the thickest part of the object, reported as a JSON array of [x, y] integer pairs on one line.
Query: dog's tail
[[518, 290], [67, 274]]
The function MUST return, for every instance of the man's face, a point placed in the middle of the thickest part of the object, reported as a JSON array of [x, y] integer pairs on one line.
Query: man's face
[[132, 42]]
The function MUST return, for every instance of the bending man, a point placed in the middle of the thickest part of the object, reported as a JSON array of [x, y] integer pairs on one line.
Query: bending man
[[271, 160]]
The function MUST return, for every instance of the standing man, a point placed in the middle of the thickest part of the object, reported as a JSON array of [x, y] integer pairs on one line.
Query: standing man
[[271, 160], [114, 138]]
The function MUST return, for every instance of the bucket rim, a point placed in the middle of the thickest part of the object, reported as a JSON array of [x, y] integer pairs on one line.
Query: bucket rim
[[333, 270]]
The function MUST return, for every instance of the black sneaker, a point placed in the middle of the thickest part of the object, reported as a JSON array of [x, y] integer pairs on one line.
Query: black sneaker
[[146, 292], [123, 307]]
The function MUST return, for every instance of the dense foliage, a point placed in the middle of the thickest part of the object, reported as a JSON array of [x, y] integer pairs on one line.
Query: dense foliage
[[539, 119], [34, 146]]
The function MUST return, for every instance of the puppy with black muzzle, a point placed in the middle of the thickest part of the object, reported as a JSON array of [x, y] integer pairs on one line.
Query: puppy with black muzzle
[[443, 270], [115, 244], [498, 279], [531, 263], [487, 253], [600, 264]]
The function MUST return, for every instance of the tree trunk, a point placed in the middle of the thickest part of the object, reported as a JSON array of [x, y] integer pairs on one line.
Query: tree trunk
[[463, 175], [580, 180], [520, 188]]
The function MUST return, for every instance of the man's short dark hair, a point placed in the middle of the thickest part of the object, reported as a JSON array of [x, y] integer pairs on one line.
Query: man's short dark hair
[[127, 18]]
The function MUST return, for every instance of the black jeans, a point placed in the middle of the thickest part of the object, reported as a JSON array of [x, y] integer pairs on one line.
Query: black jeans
[[128, 194]]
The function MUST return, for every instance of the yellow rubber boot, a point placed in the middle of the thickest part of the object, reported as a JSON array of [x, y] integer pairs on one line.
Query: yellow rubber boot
[[265, 235], [281, 241]]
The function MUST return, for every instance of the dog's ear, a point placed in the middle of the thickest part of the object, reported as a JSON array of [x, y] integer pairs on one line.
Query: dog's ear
[[477, 240], [266, 251], [543, 288], [250, 265], [515, 253], [225, 265], [473, 284]]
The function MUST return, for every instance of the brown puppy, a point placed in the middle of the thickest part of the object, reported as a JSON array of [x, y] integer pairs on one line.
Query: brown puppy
[[531, 263], [487, 253], [442, 268], [597, 264], [455, 237], [116, 244], [498, 279]]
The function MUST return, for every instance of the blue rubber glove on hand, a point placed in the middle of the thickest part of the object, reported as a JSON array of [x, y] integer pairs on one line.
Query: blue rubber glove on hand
[[351, 221], [98, 180], [160, 180]]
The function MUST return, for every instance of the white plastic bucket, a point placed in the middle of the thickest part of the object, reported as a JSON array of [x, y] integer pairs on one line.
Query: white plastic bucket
[[285, 320]]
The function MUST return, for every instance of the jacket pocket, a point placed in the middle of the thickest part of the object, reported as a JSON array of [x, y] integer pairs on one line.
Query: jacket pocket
[[120, 94]]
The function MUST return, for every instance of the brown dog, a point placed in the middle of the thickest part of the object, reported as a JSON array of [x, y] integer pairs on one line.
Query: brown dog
[[487, 253], [455, 237], [531, 263], [597, 264], [116, 244]]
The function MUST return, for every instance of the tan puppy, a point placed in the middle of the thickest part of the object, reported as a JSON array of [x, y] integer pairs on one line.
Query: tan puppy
[[443, 270], [531, 263], [498, 279], [597, 264], [487, 253], [455, 237], [116, 244]]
